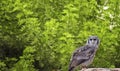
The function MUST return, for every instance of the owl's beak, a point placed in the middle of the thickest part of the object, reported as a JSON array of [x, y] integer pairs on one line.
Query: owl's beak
[[93, 41]]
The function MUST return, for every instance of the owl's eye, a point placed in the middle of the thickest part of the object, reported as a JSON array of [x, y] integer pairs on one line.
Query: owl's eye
[[94, 39], [90, 39]]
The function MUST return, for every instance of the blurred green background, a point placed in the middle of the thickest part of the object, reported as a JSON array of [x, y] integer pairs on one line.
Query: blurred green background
[[41, 35]]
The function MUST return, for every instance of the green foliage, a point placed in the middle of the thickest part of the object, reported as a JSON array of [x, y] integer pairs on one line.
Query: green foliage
[[26, 61], [2, 66], [40, 35]]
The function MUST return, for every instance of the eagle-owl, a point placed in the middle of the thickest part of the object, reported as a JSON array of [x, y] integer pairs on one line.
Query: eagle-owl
[[84, 55]]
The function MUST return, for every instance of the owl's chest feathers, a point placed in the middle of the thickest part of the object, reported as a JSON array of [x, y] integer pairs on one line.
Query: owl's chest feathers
[[85, 51]]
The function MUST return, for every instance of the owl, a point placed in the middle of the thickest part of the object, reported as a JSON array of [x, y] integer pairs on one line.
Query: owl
[[84, 55]]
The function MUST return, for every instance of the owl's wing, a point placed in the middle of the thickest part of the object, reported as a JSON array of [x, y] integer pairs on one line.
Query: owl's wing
[[81, 55]]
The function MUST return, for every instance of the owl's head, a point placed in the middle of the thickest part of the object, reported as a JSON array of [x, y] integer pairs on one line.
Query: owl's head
[[93, 41]]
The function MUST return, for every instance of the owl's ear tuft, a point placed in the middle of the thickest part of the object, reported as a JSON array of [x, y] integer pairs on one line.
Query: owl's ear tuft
[[88, 41], [98, 42]]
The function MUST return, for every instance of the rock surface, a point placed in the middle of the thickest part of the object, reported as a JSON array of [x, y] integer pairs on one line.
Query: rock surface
[[102, 69]]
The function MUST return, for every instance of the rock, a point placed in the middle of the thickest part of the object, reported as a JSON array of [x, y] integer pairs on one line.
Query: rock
[[102, 69]]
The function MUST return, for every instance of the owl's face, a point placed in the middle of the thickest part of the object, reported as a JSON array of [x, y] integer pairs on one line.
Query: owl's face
[[93, 41]]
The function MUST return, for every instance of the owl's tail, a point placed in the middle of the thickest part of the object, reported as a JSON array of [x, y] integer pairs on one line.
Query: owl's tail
[[71, 69]]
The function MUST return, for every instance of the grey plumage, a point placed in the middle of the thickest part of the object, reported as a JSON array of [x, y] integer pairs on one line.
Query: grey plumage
[[84, 55]]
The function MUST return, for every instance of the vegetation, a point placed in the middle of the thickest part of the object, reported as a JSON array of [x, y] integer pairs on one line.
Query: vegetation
[[40, 35]]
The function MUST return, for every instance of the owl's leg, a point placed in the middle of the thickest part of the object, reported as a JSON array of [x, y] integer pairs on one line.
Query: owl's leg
[[83, 68]]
